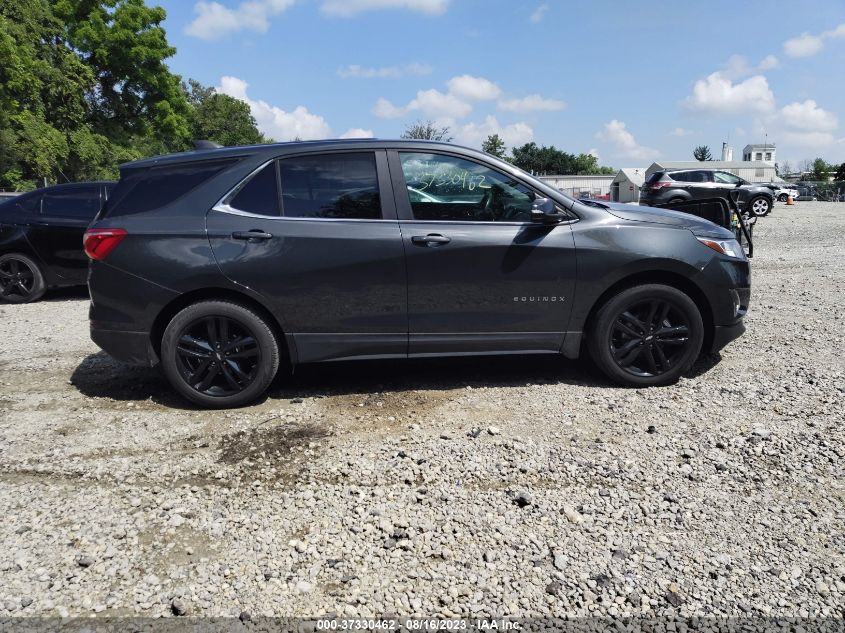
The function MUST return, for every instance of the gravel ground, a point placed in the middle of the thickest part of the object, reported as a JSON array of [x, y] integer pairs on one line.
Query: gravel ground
[[508, 487]]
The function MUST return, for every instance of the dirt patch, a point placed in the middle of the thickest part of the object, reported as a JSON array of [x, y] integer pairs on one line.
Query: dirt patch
[[273, 443]]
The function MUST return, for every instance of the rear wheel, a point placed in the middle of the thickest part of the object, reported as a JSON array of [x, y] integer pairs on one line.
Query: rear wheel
[[219, 354], [782, 197], [21, 280], [760, 206], [676, 200], [646, 336]]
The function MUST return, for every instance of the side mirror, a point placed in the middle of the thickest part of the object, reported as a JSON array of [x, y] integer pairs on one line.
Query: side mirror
[[543, 210]]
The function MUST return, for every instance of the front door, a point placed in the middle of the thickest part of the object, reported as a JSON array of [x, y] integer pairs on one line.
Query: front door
[[325, 252], [482, 277]]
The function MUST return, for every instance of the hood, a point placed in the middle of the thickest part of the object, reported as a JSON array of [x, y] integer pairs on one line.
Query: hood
[[654, 215]]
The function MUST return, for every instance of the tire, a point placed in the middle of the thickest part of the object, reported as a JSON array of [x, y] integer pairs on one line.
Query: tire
[[624, 358], [782, 197], [676, 200], [203, 361], [760, 206], [21, 279]]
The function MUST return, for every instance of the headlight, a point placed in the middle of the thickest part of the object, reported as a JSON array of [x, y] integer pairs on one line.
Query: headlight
[[731, 248]]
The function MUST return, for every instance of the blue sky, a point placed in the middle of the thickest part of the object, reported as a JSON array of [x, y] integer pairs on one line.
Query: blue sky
[[631, 82]]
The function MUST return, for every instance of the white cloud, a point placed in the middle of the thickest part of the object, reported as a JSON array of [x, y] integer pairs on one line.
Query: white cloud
[[391, 72], [807, 44], [538, 14], [810, 139], [384, 109], [473, 88], [681, 132], [273, 121], [617, 135], [349, 8], [531, 103], [436, 104], [215, 20], [357, 132], [717, 93], [594, 152], [513, 135], [808, 116], [738, 67]]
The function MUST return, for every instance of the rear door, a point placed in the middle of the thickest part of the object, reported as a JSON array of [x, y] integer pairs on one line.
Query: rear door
[[482, 277], [316, 236], [55, 233]]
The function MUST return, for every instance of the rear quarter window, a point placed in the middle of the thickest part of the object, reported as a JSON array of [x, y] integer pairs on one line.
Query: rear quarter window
[[145, 189], [654, 178]]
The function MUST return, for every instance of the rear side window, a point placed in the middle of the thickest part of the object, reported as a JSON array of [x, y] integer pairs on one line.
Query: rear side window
[[330, 186], [141, 190], [80, 203], [260, 194], [690, 176]]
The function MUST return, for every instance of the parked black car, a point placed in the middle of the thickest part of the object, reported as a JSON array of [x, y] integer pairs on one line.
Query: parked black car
[[221, 264], [668, 187], [41, 238]]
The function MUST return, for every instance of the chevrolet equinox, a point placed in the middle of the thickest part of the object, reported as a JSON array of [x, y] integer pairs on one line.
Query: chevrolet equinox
[[223, 264]]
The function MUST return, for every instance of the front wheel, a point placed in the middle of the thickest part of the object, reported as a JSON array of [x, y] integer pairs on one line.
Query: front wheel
[[646, 336], [782, 197], [760, 206], [21, 280], [219, 354]]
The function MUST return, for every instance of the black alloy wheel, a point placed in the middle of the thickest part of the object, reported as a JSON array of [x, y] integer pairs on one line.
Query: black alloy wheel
[[219, 354], [21, 280], [647, 335]]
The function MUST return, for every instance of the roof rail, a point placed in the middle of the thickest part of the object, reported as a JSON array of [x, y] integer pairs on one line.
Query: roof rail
[[202, 144]]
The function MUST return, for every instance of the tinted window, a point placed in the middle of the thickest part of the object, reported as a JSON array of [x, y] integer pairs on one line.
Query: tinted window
[[690, 176], [142, 189], [448, 188], [260, 194], [654, 178], [723, 177], [330, 186], [81, 203]]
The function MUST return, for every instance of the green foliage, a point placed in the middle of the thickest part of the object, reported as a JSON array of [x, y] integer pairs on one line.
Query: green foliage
[[542, 161], [84, 86], [494, 145], [702, 153], [819, 170], [221, 118], [840, 173], [427, 131]]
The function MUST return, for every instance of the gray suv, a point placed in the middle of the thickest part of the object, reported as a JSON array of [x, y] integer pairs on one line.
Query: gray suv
[[225, 265], [669, 187]]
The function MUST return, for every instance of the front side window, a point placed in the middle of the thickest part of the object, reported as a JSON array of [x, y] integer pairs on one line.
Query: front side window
[[81, 203], [726, 178], [453, 189], [343, 186]]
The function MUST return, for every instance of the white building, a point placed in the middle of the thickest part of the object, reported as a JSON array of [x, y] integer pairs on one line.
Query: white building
[[752, 171], [759, 151], [627, 183], [594, 185]]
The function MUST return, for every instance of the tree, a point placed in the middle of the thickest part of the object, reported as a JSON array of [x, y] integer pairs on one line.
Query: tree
[[427, 131], [542, 160], [784, 168], [702, 153], [820, 170], [840, 173], [220, 118], [494, 145]]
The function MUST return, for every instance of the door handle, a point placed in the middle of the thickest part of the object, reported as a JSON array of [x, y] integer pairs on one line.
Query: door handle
[[431, 240], [254, 234]]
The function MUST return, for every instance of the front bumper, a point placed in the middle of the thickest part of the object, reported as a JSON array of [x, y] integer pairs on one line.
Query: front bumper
[[724, 334]]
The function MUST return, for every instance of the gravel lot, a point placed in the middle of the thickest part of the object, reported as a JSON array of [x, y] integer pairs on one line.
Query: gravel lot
[[507, 487]]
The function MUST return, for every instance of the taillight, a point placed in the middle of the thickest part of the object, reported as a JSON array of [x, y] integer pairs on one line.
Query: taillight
[[100, 242], [660, 185]]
